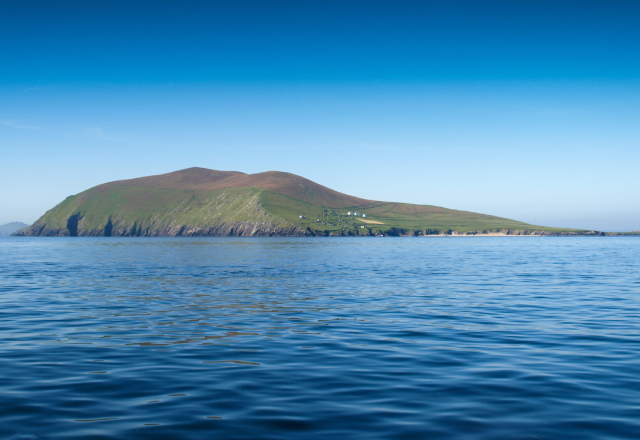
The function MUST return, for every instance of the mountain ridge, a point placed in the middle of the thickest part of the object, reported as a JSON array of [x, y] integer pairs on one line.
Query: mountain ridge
[[197, 178]]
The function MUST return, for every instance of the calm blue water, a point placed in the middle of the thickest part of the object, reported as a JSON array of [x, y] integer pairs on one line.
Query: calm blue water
[[380, 338]]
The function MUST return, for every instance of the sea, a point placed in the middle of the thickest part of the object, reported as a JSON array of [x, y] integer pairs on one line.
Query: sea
[[320, 338]]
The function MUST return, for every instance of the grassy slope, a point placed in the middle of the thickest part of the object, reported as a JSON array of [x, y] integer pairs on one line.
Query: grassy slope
[[393, 215], [201, 179], [160, 208]]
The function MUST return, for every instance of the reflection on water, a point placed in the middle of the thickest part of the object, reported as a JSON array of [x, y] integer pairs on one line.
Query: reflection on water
[[475, 337]]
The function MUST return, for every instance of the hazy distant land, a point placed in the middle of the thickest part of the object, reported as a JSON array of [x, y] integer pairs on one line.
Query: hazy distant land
[[10, 228]]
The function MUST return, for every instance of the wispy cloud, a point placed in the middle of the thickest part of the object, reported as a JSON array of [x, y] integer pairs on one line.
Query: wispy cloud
[[361, 146], [98, 133], [15, 123]]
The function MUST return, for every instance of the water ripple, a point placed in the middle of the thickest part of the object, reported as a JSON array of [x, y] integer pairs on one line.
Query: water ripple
[[394, 338]]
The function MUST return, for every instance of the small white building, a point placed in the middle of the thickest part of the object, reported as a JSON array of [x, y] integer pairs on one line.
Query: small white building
[[349, 213], [302, 216], [364, 215]]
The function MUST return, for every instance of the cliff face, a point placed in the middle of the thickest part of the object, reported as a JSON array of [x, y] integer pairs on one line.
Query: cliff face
[[121, 229], [197, 202], [147, 212]]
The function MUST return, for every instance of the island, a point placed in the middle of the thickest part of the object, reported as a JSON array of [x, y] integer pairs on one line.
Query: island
[[199, 202]]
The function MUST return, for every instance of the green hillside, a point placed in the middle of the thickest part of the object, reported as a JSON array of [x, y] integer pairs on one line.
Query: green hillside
[[201, 202]]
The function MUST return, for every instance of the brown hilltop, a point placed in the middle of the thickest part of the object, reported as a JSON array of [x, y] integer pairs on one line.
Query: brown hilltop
[[203, 179]]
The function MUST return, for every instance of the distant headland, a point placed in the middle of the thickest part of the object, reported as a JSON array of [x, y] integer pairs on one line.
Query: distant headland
[[11, 228], [199, 202]]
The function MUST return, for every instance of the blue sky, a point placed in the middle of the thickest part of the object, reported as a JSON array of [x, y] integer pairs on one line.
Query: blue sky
[[528, 110]]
